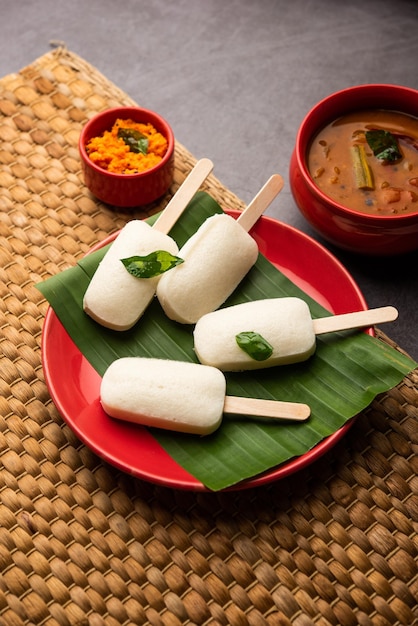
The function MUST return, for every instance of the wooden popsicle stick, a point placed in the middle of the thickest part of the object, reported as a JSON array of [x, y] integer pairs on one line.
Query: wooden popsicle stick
[[358, 319], [183, 195], [261, 202], [275, 409]]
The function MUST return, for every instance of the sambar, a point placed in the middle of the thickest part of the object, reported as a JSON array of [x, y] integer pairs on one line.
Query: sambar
[[368, 161]]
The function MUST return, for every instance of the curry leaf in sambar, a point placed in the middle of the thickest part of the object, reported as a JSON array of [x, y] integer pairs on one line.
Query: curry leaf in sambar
[[384, 145]]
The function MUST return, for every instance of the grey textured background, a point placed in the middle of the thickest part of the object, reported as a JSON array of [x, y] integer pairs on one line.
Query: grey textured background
[[235, 78]]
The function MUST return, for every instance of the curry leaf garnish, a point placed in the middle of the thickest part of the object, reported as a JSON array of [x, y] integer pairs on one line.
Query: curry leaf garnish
[[152, 264], [383, 144], [254, 345], [137, 142]]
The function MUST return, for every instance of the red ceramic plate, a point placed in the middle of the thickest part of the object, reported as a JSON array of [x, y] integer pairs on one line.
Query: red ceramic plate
[[74, 385]]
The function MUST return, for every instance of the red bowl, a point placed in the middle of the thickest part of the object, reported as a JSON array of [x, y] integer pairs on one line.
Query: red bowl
[[127, 190], [349, 229]]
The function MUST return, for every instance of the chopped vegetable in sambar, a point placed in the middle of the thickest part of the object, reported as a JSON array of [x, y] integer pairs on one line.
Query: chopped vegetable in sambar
[[128, 148]]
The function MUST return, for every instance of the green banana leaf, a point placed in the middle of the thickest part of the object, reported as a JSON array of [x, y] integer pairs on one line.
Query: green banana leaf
[[346, 373]]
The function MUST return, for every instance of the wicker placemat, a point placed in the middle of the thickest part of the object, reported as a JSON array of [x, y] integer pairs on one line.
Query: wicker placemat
[[84, 544]]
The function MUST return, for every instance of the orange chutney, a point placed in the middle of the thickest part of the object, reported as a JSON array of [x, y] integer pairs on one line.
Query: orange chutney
[[344, 166], [111, 152]]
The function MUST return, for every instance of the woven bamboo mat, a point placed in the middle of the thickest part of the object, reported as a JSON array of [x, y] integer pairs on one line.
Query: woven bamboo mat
[[84, 544]]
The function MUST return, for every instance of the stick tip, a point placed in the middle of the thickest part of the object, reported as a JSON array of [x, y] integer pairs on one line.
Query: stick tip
[[392, 313], [205, 162], [304, 412]]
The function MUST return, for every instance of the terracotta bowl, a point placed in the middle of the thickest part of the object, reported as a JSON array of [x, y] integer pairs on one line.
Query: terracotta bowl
[[127, 190], [347, 228]]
